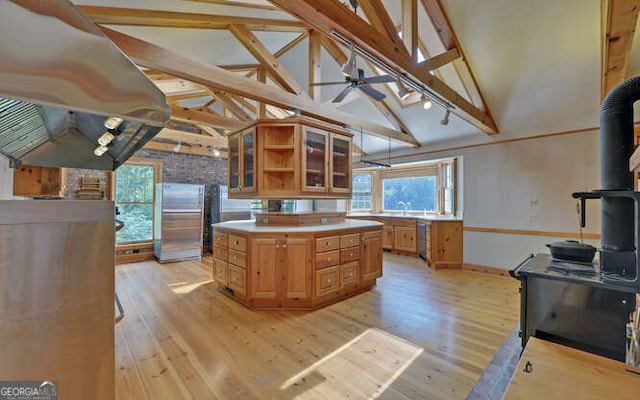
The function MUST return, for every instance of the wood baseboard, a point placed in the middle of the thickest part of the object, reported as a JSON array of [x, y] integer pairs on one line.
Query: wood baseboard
[[485, 270]]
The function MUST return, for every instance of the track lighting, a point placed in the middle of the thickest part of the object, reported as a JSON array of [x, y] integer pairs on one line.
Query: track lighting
[[216, 153], [403, 92], [445, 120], [177, 147], [426, 103]]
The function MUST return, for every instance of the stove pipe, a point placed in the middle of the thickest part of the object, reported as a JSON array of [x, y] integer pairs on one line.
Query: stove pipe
[[616, 147]]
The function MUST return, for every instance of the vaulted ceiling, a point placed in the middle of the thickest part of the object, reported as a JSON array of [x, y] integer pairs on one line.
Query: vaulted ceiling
[[503, 69]]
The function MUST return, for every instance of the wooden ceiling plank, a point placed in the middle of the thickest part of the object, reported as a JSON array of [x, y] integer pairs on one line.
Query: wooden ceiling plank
[[199, 117], [193, 138], [177, 86], [172, 19], [228, 103], [152, 56], [315, 70], [448, 38], [330, 16], [619, 18], [379, 18], [410, 27], [187, 96], [279, 74]]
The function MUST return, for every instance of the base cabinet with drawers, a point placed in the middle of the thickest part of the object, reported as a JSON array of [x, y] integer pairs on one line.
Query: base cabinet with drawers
[[297, 270]]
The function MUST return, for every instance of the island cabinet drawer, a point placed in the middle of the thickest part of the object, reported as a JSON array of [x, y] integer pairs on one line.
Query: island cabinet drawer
[[237, 243], [349, 240], [220, 271], [327, 280], [221, 253], [237, 258], [220, 239], [350, 254], [349, 274], [237, 279], [327, 243], [327, 259]]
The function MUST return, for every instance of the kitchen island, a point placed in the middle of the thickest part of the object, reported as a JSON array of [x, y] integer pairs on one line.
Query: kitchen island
[[296, 266]]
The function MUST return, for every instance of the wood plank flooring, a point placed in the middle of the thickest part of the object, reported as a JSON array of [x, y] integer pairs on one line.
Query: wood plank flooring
[[181, 338]]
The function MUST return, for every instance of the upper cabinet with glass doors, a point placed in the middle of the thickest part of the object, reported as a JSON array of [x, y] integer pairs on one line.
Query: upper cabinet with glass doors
[[241, 162], [295, 158]]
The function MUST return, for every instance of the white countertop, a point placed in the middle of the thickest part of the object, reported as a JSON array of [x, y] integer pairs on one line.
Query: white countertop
[[251, 227]]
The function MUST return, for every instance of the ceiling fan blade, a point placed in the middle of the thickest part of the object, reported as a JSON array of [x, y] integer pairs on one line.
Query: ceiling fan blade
[[373, 93], [380, 79], [343, 94], [327, 83]]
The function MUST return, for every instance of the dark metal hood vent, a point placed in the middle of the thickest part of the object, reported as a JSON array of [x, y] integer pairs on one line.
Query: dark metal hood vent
[[61, 78]]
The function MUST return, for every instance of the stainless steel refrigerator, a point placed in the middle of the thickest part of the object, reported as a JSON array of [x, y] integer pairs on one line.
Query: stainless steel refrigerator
[[178, 222], [225, 209]]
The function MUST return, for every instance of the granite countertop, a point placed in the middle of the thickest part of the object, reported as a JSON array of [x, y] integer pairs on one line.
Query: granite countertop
[[251, 227]]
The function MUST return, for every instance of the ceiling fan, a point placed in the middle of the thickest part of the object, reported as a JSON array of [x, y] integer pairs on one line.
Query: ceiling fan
[[359, 81], [354, 76]]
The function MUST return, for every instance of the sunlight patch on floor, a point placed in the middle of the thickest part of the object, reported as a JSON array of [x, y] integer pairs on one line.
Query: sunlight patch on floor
[[362, 368], [184, 287]]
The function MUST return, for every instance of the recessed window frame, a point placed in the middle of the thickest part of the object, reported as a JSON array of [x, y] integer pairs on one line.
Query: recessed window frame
[[157, 177]]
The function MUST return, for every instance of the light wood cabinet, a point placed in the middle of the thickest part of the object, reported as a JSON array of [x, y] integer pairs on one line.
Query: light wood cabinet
[[371, 255], [387, 237], [35, 181], [296, 270], [295, 158], [404, 238], [444, 244]]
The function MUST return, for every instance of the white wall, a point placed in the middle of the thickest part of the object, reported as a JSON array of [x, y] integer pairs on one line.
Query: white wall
[[527, 185]]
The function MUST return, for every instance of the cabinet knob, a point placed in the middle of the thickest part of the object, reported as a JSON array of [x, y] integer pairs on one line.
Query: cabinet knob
[[350, 254], [284, 246], [328, 280], [328, 258], [277, 246]]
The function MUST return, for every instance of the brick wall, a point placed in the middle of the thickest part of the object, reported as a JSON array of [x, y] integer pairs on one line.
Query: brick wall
[[74, 178], [187, 168]]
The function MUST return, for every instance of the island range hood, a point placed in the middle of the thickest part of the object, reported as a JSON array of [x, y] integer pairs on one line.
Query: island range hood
[[66, 90]]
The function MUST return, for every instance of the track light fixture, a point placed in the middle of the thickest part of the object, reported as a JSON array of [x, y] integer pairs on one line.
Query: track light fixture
[[445, 120], [177, 148], [426, 103], [216, 153], [403, 92]]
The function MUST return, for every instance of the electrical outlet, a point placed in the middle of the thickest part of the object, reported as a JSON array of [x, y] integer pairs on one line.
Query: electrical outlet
[[533, 203], [533, 217]]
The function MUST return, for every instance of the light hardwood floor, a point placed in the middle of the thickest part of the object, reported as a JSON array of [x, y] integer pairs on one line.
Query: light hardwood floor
[[418, 334]]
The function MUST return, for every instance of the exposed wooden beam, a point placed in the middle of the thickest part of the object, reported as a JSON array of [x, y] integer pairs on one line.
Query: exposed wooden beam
[[199, 117], [177, 86], [184, 149], [228, 103], [439, 60], [334, 50], [449, 40], [331, 16], [152, 56], [261, 77], [380, 19], [315, 70], [187, 96], [237, 4], [284, 49], [172, 19], [192, 138], [410, 27], [619, 18], [240, 67], [278, 73]]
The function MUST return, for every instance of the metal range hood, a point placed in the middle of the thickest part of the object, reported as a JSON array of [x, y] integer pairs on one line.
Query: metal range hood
[[60, 79]]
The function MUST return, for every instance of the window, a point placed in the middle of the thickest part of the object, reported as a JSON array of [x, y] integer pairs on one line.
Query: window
[[135, 194], [417, 188], [361, 192], [409, 194]]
